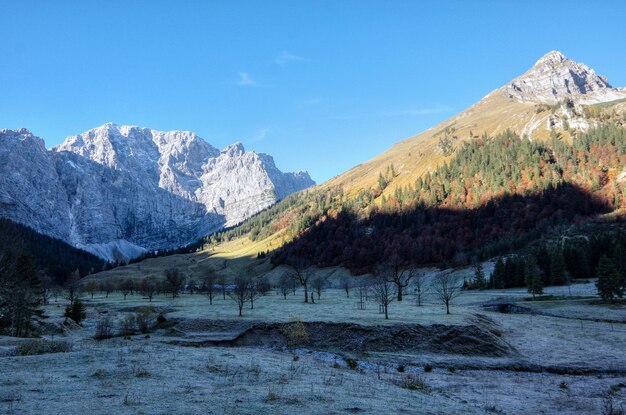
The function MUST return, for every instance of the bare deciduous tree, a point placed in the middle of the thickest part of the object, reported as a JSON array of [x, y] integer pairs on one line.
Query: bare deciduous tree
[[284, 284], [256, 288], [221, 280], [191, 286], [174, 280], [125, 287], [401, 278], [446, 288], [107, 287], [91, 287], [240, 292], [318, 283], [72, 285], [148, 287], [302, 275], [209, 286], [346, 285], [421, 288], [383, 291]]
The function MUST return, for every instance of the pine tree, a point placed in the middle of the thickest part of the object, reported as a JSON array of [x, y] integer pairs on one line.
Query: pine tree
[[76, 311], [558, 272], [479, 276], [497, 276], [532, 276], [20, 295], [609, 283]]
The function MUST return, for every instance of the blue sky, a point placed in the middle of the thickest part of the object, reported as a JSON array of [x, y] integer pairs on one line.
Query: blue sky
[[320, 85]]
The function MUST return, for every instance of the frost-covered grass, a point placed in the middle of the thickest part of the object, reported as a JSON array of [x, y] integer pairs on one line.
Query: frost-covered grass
[[150, 375]]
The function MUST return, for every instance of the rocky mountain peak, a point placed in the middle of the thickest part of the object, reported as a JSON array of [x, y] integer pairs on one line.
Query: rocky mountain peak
[[235, 149], [554, 77]]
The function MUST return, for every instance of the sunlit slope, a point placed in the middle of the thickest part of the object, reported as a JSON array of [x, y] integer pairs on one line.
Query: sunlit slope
[[421, 153]]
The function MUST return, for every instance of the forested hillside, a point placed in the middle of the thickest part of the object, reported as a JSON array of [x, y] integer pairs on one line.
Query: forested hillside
[[51, 256], [494, 196]]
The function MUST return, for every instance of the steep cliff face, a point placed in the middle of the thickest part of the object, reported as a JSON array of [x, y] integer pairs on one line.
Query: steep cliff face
[[119, 190], [30, 188]]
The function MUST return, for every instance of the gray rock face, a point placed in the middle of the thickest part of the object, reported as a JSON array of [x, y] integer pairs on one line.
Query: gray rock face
[[554, 78], [118, 190]]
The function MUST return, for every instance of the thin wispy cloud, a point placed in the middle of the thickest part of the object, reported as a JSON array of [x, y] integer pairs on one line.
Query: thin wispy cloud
[[413, 112], [417, 112], [310, 102], [245, 79], [285, 57], [259, 135]]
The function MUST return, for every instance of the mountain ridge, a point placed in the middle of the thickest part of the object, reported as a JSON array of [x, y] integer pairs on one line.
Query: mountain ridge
[[491, 115], [118, 191]]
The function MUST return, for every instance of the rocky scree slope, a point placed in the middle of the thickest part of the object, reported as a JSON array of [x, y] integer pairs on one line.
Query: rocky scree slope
[[117, 191]]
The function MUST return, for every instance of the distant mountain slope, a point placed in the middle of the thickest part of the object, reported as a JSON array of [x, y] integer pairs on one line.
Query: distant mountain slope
[[118, 191], [553, 104], [53, 257], [532, 105]]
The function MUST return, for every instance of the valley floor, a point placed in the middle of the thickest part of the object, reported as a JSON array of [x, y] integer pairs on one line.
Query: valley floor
[[565, 358]]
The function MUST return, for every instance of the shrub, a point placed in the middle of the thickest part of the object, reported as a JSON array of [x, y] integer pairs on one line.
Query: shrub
[[271, 396], [128, 326], [563, 385], [451, 369], [37, 347], [428, 368], [413, 382], [352, 363], [104, 329], [296, 333], [400, 368]]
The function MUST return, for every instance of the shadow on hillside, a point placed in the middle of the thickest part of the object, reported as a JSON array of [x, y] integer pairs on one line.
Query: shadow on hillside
[[427, 235]]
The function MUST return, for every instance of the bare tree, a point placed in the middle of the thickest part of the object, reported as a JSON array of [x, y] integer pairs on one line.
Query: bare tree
[[256, 288], [319, 283], [148, 288], [107, 287], [284, 284], [240, 292], [446, 288], [302, 275], [346, 284], [47, 284], [421, 288], [125, 287], [221, 280], [191, 286], [401, 278], [174, 280], [209, 286], [363, 288], [91, 287], [72, 286], [384, 292]]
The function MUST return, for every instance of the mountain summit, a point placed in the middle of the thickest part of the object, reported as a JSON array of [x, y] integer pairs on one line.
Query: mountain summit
[[555, 77]]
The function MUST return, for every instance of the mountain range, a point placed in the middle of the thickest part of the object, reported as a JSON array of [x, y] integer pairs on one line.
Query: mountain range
[[119, 191]]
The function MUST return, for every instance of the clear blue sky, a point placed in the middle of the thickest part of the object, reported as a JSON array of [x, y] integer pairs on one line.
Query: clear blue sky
[[320, 85]]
